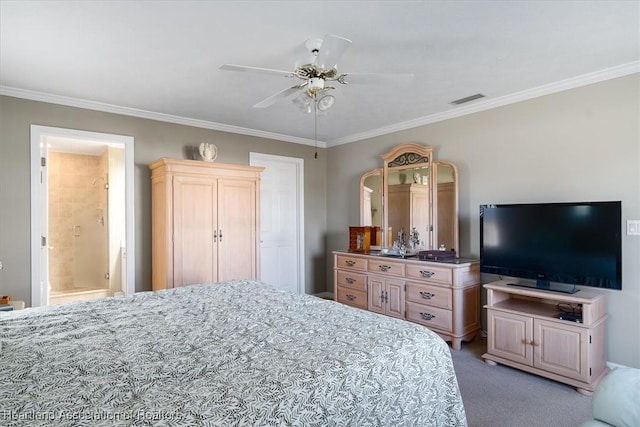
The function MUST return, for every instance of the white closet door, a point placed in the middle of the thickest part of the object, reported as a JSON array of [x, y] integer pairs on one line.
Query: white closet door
[[281, 222]]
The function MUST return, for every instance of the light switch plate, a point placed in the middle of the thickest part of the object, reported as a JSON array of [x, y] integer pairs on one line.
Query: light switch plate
[[633, 227]]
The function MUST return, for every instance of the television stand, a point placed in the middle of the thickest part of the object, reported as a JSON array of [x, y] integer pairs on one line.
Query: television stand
[[545, 285], [525, 331]]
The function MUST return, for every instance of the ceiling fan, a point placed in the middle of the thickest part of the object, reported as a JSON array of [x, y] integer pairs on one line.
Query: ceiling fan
[[316, 71]]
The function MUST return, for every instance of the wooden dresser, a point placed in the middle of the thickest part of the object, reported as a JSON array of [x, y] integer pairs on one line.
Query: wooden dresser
[[443, 296]]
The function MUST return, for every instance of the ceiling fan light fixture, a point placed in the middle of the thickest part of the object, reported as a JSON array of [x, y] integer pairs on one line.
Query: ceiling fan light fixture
[[316, 84], [317, 67], [306, 63], [313, 46], [326, 102], [304, 102]]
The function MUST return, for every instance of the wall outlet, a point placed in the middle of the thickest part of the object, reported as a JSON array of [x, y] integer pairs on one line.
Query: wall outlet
[[633, 227]]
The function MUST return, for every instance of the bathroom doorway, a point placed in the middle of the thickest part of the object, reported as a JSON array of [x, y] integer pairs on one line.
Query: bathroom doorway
[[81, 215]]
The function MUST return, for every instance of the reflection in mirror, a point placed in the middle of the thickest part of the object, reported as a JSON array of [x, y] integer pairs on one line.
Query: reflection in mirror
[[409, 206], [446, 221], [371, 198], [412, 190], [407, 198], [371, 208], [409, 176]]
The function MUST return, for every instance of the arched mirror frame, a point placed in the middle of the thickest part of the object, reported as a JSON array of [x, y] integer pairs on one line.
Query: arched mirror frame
[[450, 199]]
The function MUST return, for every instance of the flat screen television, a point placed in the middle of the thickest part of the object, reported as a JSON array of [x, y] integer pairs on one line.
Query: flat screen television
[[559, 245]]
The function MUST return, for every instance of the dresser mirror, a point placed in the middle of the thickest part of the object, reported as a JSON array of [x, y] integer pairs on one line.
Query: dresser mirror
[[415, 194], [446, 205], [371, 198]]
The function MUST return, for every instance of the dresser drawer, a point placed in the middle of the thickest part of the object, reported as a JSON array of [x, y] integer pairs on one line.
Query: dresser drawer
[[352, 263], [388, 267], [430, 273], [352, 280], [431, 317], [435, 296], [352, 297]]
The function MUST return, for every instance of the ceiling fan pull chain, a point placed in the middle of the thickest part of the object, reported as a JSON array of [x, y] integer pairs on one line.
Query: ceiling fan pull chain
[[315, 125]]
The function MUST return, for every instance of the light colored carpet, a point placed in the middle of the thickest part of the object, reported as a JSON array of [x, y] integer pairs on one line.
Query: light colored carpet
[[499, 396]]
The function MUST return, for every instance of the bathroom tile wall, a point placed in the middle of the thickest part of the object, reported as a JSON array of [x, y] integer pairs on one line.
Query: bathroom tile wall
[[77, 220]]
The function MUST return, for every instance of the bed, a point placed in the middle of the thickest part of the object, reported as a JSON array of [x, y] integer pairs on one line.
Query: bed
[[225, 354]]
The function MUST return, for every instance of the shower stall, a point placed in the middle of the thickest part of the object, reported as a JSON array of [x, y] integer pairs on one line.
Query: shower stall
[[85, 225]]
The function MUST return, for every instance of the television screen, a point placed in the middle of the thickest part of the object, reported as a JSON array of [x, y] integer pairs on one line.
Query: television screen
[[569, 243]]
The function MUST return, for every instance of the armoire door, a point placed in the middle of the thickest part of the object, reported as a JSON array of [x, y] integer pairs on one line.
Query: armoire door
[[237, 225], [194, 224]]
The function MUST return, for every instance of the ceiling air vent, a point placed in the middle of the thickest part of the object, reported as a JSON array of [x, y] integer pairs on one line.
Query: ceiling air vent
[[467, 99]]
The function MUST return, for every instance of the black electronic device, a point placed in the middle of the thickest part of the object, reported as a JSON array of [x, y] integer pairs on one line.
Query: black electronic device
[[555, 244], [572, 317]]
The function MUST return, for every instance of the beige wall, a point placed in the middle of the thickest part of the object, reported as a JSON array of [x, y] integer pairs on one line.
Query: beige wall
[[153, 139], [577, 145], [581, 144]]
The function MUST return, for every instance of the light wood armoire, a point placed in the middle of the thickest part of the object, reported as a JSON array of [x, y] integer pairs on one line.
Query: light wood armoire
[[205, 222]]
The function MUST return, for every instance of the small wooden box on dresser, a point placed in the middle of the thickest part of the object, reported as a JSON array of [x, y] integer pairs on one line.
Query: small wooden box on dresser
[[443, 296], [524, 332]]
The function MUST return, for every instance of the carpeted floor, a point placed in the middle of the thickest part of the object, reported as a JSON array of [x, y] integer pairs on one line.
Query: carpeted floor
[[499, 396]]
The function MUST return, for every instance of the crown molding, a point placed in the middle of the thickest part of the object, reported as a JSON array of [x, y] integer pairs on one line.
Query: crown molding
[[475, 107], [487, 104], [144, 114]]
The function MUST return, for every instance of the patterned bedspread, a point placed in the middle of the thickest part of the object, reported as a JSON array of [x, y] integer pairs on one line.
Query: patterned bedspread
[[231, 354]]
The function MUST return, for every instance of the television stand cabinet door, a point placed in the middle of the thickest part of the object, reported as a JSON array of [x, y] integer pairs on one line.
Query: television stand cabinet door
[[525, 332]]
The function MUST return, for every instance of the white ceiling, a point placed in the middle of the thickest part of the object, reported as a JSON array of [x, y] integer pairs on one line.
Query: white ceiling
[[160, 59]]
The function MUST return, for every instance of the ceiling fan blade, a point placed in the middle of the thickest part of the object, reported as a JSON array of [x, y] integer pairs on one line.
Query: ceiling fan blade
[[242, 68], [277, 96], [330, 52], [375, 78]]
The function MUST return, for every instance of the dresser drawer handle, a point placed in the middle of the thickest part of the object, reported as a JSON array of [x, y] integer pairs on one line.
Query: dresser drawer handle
[[350, 280], [426, 273], [427, 316], [350, 297], [384, 267], [427, 295], [350, 263]]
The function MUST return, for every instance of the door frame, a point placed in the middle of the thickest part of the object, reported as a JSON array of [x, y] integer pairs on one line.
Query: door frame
[[299, 228], [39, 219]]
